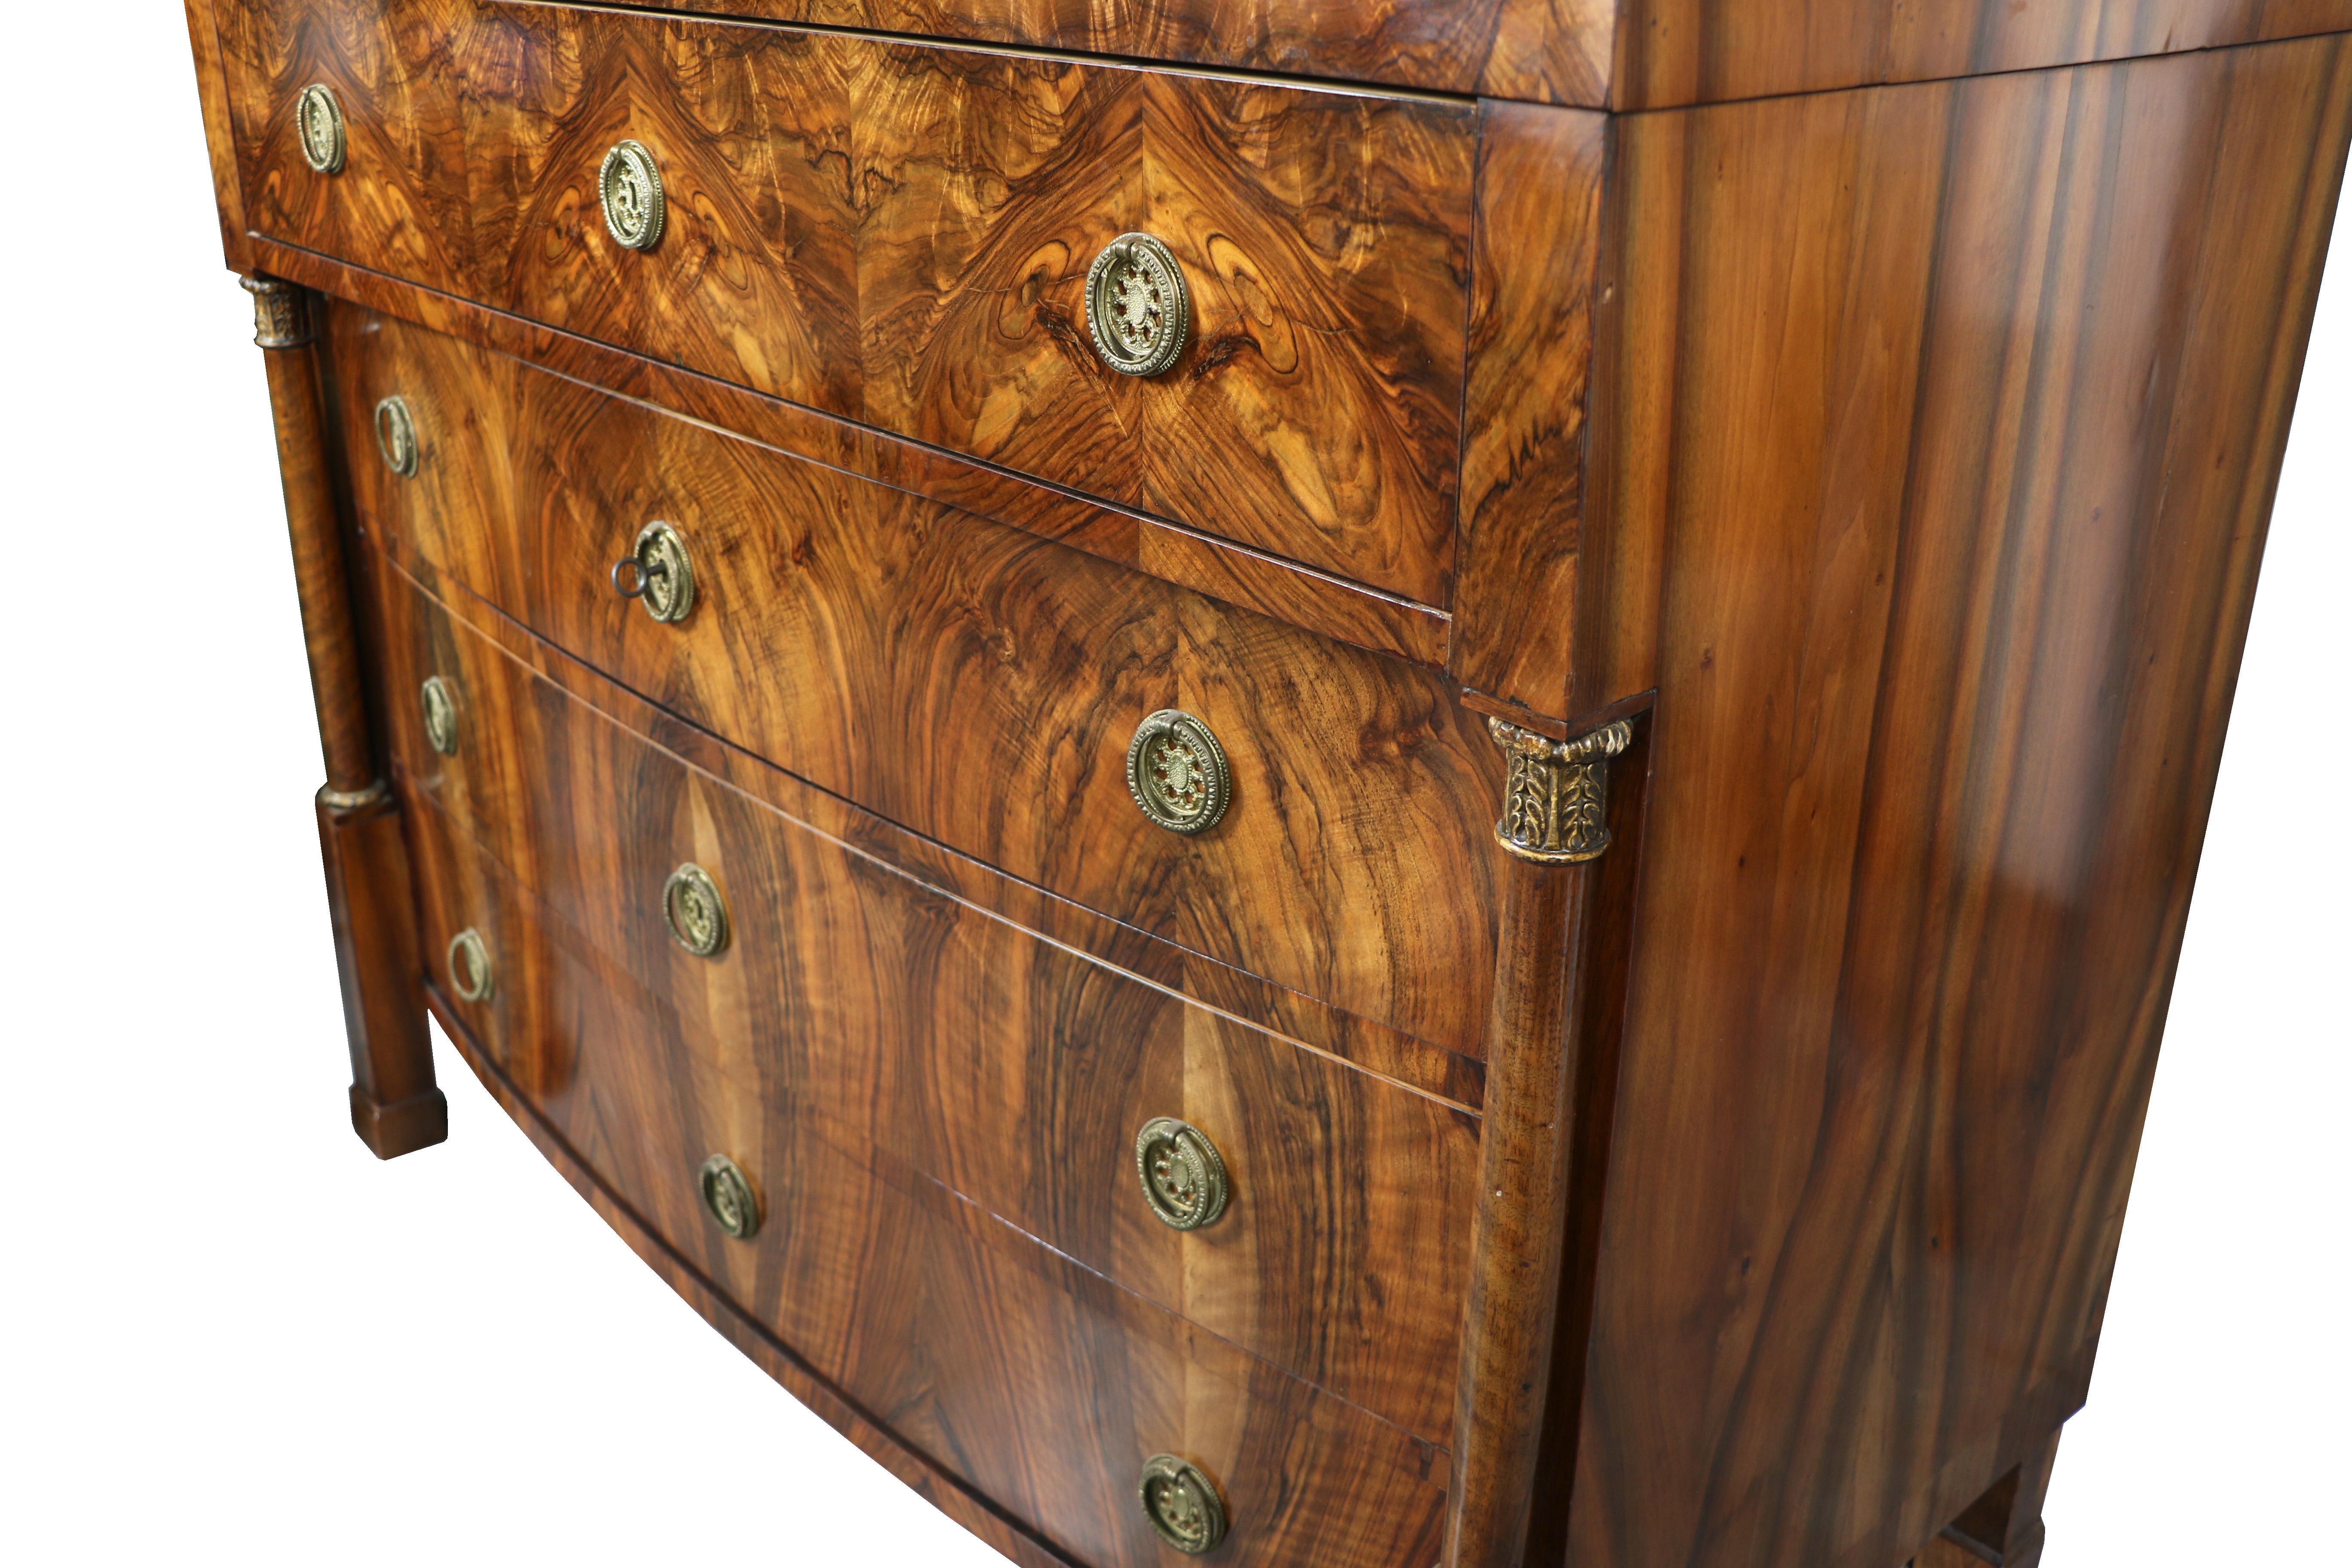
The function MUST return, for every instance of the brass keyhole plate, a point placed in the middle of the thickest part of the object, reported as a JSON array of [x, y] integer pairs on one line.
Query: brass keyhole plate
[[630, 187], [1178, 773], [1181, 1504]]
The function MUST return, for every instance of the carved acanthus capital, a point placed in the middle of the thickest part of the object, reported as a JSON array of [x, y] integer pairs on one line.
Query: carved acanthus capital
[[281, 316], [1555, 802]]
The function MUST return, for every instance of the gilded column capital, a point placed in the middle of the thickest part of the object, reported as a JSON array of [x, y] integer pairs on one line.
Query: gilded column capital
[[1556, 801], [281, 316]]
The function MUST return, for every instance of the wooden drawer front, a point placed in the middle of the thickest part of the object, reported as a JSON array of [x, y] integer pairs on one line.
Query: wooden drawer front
[[1005, 1068], [968, 680], [1039, 1383], [901, 234]]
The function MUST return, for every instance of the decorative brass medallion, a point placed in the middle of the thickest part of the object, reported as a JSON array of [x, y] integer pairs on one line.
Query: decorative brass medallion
[[630, 188], [395, 436], [1183, 1175], [469, 965], [1556, 801], [1181, 1505], [1178, 773], [1137, 305], [656, 570], [318, 125], [727, 1193], [440, 715], [697, 914]]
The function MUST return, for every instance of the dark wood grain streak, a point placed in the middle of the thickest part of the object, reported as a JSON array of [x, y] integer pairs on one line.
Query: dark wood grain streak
[[972, 681], [1541, 178], [1948, 420], [1675, 52], [1553, 50]]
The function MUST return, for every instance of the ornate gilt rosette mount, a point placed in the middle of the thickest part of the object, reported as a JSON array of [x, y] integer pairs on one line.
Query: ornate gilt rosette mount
[[1555, 802]]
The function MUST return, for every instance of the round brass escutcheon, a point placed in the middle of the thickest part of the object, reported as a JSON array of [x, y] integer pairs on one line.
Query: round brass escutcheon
[[1184, 1176], [727, 1193], [440, 715], [318, 126], [696, 912], [1137, 308], [1178, 772], [664, 577], [470, 967], [1182, 1505], [395, 436], [630, 186]]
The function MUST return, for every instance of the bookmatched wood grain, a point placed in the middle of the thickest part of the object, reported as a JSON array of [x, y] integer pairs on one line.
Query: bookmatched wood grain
[[901, 233], [1950, 417], [1014, 1072], [969, 681]]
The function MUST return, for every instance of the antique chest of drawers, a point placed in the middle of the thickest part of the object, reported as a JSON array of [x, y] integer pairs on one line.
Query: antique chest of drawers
[[1352, 783]]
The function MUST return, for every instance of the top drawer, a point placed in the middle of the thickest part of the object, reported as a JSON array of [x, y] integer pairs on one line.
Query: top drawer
[[903, 234]]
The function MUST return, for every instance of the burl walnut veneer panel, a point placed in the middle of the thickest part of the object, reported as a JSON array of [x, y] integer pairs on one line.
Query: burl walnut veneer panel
[[970, 680], [901, 234], [952, 1043], [1948, 418]]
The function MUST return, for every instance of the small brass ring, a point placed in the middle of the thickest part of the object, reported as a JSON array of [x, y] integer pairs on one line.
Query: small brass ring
[[1182, 1504], [729, 1197], [440, 715], [629, 187], [696, 911], [395, 436], [470, 967], [1177, 773], [318, 127], [1184, 1176]]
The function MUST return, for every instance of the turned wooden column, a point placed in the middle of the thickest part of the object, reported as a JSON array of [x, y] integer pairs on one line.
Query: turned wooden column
[[1555, 829], [395, 1105]]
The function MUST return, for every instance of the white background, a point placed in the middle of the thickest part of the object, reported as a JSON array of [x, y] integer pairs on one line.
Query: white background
[[228, 1333]]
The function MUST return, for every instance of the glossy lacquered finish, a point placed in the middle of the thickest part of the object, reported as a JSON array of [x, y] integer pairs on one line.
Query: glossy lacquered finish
[[1296, 821]]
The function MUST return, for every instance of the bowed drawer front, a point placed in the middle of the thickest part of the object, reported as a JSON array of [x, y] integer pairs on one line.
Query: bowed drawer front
[[976, 683], [926, 238], [1015, 1073]]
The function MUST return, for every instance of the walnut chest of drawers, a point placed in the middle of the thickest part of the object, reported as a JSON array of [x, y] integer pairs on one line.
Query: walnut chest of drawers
[[1358, 782]]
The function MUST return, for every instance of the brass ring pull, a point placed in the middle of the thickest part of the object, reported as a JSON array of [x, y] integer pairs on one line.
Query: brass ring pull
[[1182, 1504], [395, 436], [440, 715], [318, 127], [695, 910], [1138, 310], [658, 574], [1184, 1176], [630, 187], [470, 967], [1177, 773], [727, 1193]]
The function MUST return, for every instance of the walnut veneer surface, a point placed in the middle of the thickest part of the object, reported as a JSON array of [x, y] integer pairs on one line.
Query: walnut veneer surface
[[1713, 541]]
